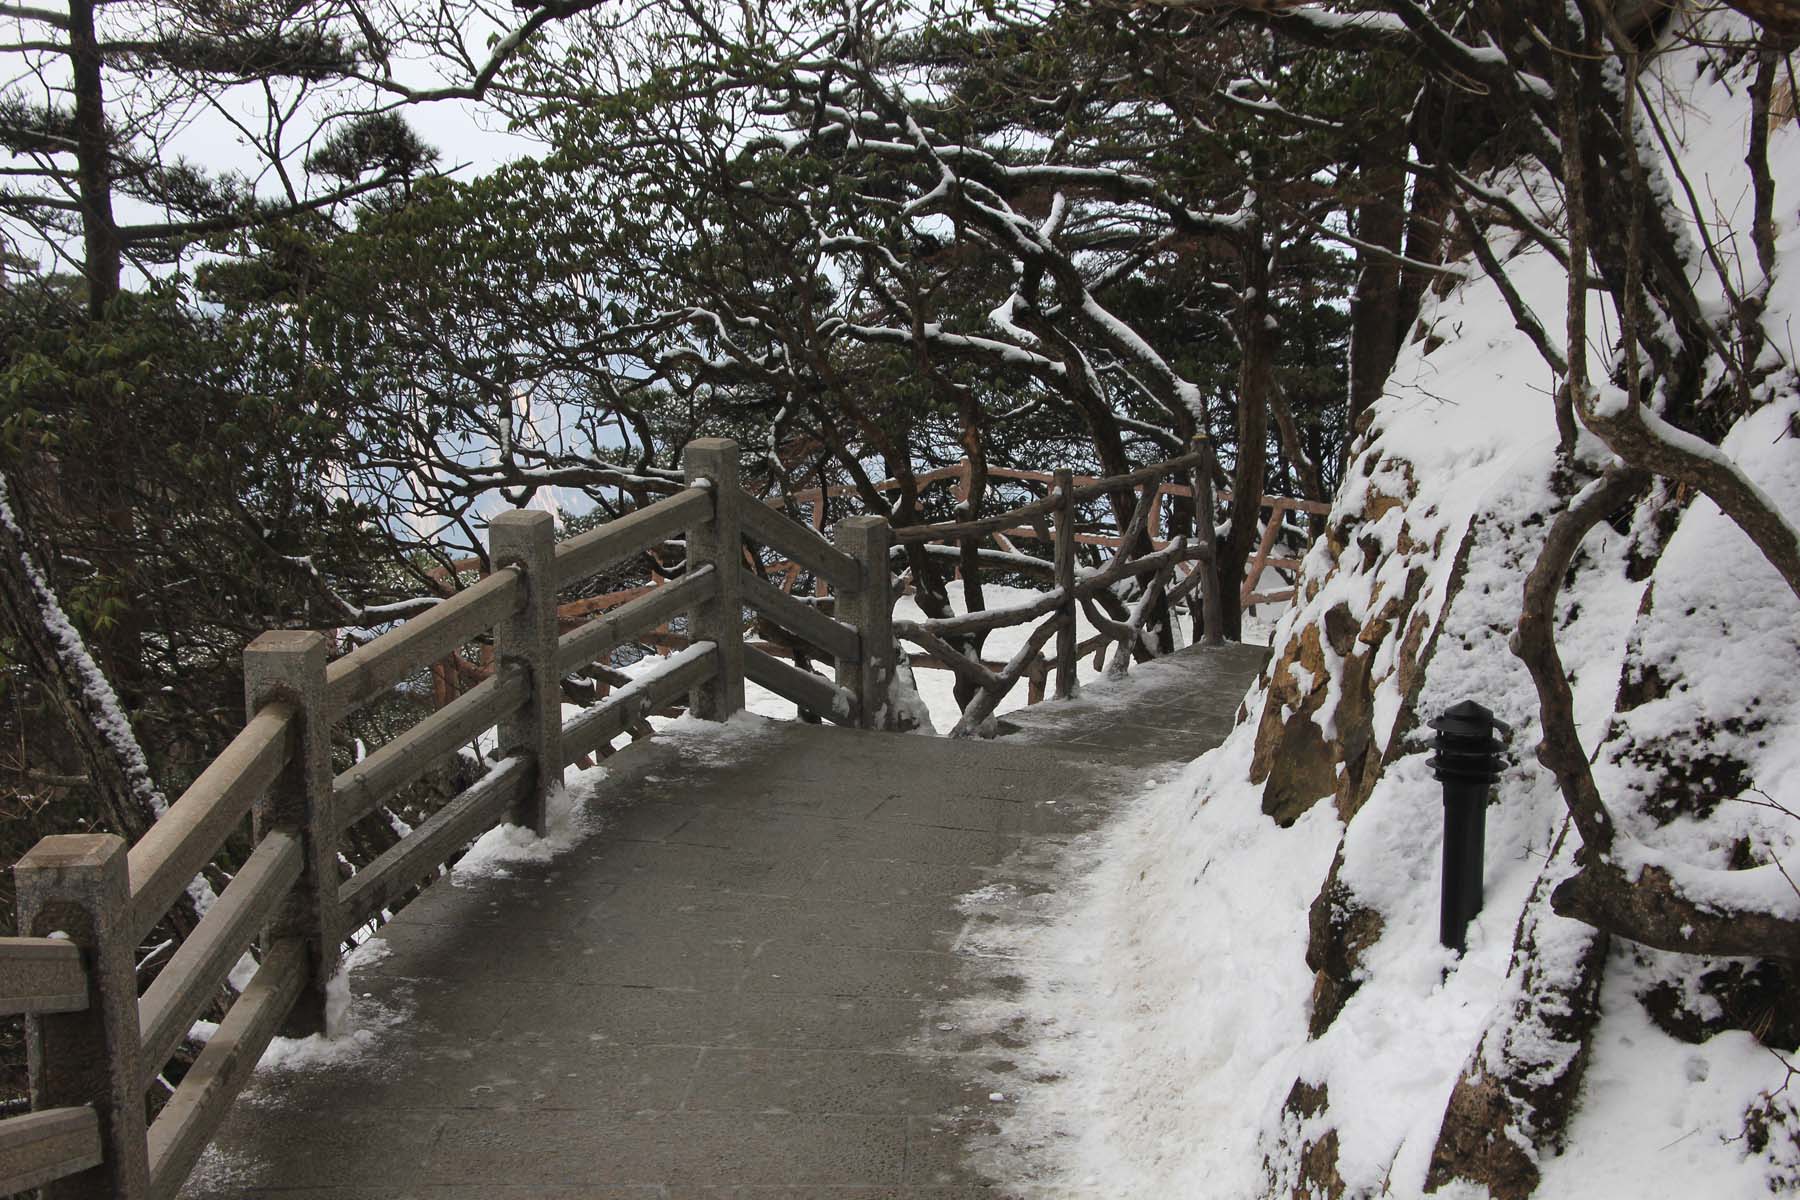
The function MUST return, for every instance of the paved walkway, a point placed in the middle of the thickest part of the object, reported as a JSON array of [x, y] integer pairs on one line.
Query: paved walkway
[[729, 988]]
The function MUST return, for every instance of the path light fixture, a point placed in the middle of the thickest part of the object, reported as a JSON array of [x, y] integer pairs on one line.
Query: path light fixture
[[1468, 764]]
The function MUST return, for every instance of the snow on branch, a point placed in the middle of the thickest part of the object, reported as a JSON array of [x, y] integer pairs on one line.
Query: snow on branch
[[98, 699]]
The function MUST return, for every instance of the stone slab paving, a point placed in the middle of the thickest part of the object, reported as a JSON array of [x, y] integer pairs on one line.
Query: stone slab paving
[[727, 988]]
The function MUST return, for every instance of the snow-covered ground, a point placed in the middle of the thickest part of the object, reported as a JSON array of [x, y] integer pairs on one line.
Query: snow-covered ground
[[1170, 995]]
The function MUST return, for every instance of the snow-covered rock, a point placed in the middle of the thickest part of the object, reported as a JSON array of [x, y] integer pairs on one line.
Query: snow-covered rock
[[1247, 998]]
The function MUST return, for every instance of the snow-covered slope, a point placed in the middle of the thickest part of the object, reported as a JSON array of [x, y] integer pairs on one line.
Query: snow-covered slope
[[1247, 996]]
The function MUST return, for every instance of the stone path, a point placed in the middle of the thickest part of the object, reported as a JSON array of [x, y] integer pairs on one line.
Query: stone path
[[728, 988]]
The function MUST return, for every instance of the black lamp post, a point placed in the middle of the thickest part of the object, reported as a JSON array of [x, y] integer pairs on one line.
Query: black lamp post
[[1468, 765]]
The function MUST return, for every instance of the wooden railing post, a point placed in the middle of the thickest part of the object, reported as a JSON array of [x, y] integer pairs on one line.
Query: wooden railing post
[[289, 665], [1065, 579], [77, 885], [1206, 532], [526, 539], [718, 543], [870, 609]]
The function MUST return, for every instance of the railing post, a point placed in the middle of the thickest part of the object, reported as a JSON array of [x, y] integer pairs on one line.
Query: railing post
[[526, 539], [1065, 579], [77, 885], [720, 544], [1206, 532], [870, 608], [289, 665]]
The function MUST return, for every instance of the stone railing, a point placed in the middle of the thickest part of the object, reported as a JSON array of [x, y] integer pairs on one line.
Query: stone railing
[[86, 901]]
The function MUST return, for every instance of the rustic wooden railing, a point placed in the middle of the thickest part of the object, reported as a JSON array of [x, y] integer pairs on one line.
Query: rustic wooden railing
[[1057, 518], [1268, 556], [86, 901]]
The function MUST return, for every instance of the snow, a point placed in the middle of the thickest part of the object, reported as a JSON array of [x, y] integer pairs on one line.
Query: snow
[[1167, 993], [355, 1026], [1120, 978], [102, 703], [508, 845], [1685, 1106]]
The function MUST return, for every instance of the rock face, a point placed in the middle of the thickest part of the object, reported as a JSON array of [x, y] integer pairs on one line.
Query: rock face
[[1317, 735], [1265, 947], [1339, 932], [1312, 1171], [1685, 690], [1412, 613], [1517, 1091]]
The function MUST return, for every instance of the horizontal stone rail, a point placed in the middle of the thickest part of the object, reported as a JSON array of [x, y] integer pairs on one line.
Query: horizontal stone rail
[[403, 761], [45, 1146], [420, 853], [598, 638], [187, 837], [39, 976], [835, 638], [369, 671], [801, 545], [612, 543], [678, 676]]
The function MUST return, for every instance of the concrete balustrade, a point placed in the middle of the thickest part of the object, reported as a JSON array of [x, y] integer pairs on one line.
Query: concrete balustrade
[[712, 463], [77, 887], [85, 902], [526, 639]]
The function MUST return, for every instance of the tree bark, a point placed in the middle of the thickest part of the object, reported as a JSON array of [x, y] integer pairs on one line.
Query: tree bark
[[1256, 381], [103, 253], [1376, 320]]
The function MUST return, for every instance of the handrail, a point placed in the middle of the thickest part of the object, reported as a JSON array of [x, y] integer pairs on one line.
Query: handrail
[[646, 694], [836, 638], [600, 637], [206, 1092], [279, 767], [597, 549], [1113, 483], [44, 1146], [82, 991], [41, 975], [207, 955], [815, 693], [421, 852], [406, 758], [186, 837], [367, 672], [801, 545], [1071, 589]]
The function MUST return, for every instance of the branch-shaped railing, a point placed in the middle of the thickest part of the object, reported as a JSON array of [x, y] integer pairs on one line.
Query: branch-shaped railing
[[86, 901], [1269, 554], [1057, 518]]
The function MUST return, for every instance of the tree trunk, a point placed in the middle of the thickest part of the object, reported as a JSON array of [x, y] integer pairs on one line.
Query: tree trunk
[[1377, 323], [103, 254], [1256, 379]]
